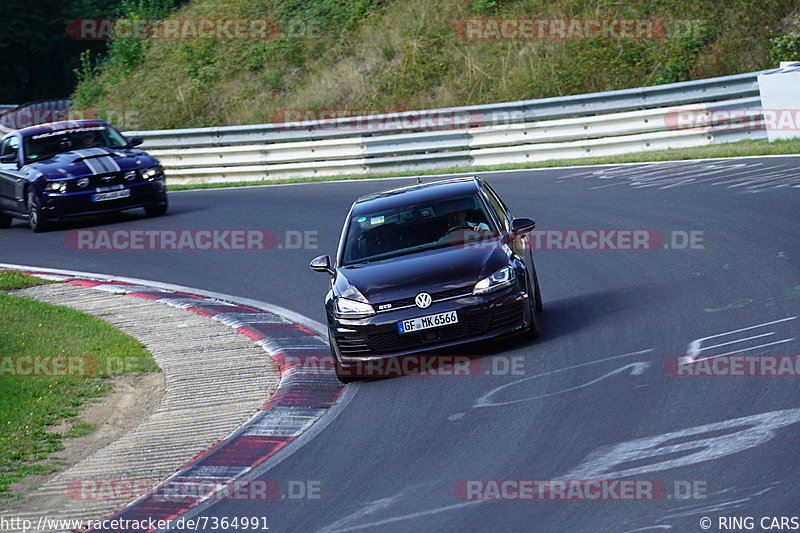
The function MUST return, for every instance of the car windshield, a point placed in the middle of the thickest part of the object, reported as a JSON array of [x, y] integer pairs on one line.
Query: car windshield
[[45, 145], [413, 228]]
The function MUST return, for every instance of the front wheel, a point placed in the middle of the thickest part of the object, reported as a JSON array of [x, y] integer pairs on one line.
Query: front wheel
[[158, 209], [35, 218], [5, 221], [537, 293], [533, 327]]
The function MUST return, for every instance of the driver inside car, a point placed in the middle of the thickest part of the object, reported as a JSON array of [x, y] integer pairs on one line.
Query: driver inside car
[[458, 219], [85, 140], [461, 230]]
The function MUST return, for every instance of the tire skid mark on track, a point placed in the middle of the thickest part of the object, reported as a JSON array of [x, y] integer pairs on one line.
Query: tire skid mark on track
[[757, 176], [299, 401]]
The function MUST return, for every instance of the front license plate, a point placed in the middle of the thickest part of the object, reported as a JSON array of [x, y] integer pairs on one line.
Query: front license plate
[[111, 195], [427, 322]]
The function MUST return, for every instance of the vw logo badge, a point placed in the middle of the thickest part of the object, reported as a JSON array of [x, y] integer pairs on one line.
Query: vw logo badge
[[423, 300]]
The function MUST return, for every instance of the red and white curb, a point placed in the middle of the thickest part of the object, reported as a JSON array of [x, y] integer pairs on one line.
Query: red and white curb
[[305, 392]]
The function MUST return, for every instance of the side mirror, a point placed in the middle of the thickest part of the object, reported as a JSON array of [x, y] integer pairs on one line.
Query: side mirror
[[522, 225], [135, 141], [8, 158], [322, 264]]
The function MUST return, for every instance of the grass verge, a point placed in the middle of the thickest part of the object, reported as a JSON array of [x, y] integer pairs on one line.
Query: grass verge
[[355, 57], [737, 149], [52, 361]]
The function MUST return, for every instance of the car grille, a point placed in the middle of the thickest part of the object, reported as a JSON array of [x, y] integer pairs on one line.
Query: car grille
[[436, 296], [97, 180]]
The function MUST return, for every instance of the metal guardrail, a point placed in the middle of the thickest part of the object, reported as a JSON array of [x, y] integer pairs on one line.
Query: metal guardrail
[[606, 123]]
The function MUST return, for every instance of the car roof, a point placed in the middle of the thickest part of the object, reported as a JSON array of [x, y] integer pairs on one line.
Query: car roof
[[418, 192], [61, 125]]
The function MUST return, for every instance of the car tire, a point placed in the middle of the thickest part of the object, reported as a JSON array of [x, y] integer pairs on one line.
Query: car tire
[[537, 293], [533, 304], [533, 327], [5, 221], [157, 210], [35, 219]]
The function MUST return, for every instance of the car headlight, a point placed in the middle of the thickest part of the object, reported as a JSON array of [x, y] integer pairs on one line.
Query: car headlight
[[352, 303], [82, 183], [56, 186], [352, 308], [130, 175], [153, 173], [502, 278]]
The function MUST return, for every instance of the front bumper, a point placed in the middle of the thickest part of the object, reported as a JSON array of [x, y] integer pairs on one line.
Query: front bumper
[[57, 206], [480, 317]]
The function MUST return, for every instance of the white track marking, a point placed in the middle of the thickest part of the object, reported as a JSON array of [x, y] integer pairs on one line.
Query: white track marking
[[401, 518], [708, 508], [684, 447], [368, 509], [759, 346], [744, 433], [739, 340], [694, 348], [635, 369]]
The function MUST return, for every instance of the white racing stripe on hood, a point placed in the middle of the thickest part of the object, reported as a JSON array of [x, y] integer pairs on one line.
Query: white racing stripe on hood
[[98, 165]]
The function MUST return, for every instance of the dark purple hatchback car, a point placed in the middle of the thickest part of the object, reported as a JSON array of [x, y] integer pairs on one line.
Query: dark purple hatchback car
[[427, 267]]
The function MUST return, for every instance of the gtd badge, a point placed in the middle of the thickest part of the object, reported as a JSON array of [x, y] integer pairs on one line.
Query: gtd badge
[[423, 300]]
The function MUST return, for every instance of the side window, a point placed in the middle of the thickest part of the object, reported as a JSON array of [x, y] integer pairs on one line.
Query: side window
[[10, 146], [498, 206]]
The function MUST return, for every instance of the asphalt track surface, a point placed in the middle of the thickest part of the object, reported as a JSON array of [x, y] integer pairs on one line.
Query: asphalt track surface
[[591, 397]]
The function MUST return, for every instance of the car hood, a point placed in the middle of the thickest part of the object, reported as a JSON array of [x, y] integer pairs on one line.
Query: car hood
[[91, 161], [429, 271]]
